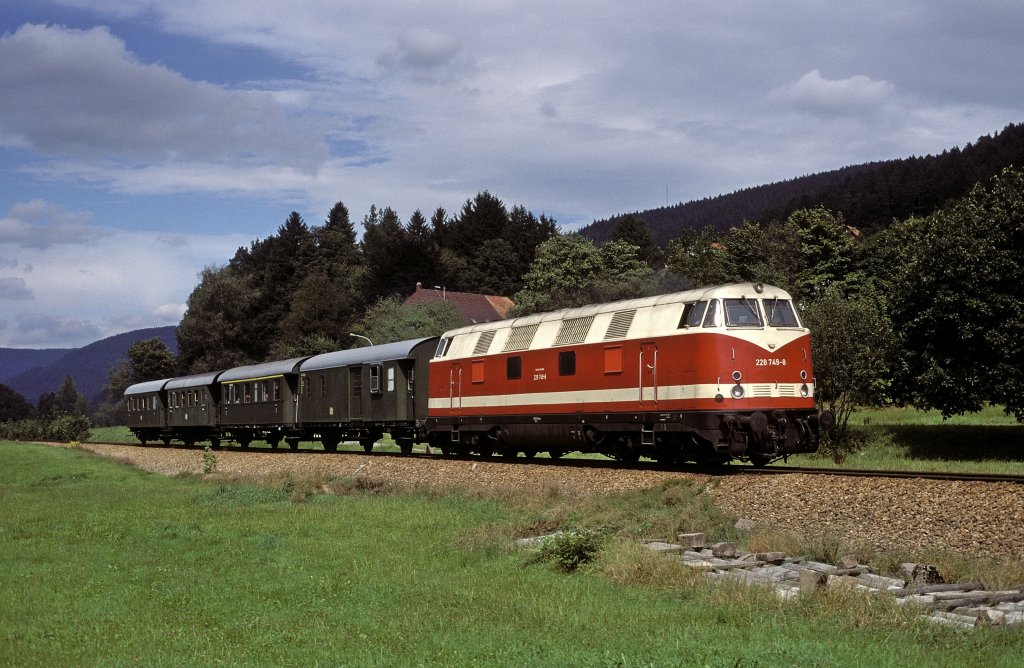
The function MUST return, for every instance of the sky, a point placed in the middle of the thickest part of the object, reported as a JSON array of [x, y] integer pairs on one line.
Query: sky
[[143, 140]]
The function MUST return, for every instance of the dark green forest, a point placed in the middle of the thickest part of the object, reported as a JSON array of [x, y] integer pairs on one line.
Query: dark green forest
[[869, 196]]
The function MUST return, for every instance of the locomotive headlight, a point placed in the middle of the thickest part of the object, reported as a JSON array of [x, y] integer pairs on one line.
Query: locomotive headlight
[[804, 390], [737, 391], [737, 376]]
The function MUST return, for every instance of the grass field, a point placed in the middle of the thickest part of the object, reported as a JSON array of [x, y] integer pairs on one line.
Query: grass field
[[108, 565]]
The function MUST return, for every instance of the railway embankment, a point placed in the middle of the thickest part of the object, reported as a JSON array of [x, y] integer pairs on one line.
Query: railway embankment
[[871, 515]]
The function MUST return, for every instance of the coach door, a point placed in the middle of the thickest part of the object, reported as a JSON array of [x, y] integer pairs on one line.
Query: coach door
[[355, 393], [455, 388], [648, 374]]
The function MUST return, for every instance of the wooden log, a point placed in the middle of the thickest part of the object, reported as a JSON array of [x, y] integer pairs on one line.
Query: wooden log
[[985, 598], [932, 589]]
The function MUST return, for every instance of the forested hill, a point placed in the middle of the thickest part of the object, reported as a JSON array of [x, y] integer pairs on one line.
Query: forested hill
[[869, 196]]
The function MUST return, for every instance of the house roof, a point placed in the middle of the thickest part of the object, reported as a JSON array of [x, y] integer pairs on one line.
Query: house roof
[[474, 308]]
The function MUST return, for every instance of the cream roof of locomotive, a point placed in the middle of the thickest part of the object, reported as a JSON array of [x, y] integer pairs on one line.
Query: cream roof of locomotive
[[654, 316]]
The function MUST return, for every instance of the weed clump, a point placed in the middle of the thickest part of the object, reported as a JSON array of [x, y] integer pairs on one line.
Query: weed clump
[[568, 550]]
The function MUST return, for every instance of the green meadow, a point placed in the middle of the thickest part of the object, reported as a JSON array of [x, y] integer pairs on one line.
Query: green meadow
[[108, 565]]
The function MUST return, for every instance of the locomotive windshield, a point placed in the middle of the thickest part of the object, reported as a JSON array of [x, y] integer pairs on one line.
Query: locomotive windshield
[[780, 313], [742, 312]]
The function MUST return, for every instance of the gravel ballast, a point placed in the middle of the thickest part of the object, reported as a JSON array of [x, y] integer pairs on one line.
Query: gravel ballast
[[884, 513]]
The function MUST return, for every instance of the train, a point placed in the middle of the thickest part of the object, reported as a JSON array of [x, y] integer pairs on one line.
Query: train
[[707, 375]]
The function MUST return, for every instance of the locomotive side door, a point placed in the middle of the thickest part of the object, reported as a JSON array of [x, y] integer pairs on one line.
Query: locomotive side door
[[648, 374], [455, 388]]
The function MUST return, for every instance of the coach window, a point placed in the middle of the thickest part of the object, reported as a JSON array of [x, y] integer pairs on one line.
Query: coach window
[[248, 393], [277, 389], [257, 396], [375, 379], [391, 379], [567, 363], [613, 359], [514, 368], [266, 390]]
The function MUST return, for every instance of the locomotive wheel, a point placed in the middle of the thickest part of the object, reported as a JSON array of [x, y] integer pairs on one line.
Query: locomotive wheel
[[529, 453], [509, 453], [760, 461], [404, 445], [486, 451], [556, 454]]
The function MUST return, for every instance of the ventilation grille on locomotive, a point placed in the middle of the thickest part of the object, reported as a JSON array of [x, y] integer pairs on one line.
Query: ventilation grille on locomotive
[[619, 326], [520, 338], [483, 343], [573, 330]]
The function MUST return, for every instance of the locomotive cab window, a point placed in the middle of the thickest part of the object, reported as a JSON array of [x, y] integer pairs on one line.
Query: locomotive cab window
[[742, 312], [693, 314], [711, 314], [442, 347], [780, 313], [567, 363]]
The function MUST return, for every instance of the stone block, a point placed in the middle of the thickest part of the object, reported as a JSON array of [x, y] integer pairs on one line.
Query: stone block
[[846, 562], [920, 574], [771, 557], [811, 580], [694, 541], [657, 546], [724, 550], [744, 524]]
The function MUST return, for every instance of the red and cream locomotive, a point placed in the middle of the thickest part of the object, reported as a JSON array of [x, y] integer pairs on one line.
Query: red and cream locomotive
[[710, 374]]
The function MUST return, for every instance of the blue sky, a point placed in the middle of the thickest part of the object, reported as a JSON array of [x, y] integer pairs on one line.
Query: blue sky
[[141, 140]]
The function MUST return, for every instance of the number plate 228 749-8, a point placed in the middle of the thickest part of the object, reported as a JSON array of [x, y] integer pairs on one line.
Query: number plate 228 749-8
[[770, 361]]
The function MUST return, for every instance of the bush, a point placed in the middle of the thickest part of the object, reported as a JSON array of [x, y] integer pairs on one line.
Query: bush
[[63, 427]]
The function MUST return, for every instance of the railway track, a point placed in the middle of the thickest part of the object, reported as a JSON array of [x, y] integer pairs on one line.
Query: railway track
[[723, 470]]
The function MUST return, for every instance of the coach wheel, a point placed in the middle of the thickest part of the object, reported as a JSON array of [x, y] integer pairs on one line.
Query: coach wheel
[[274, 441], [189, 441], [556, 454], [293, 442], [367, 444], [330, 443], [215, 443], [628, 456], [404, 445], [244, 441], [166, 440]]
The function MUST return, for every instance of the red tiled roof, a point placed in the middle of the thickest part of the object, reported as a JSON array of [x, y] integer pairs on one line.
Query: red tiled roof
[[474, 308]]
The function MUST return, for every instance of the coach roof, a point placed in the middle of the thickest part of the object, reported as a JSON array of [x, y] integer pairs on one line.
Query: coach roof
[[368, 355], [267, 369], [144, 388], [192, 381]]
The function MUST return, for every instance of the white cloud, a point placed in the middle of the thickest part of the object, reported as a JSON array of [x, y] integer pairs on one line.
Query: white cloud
[[13, 288], [836, 96], [41, 224], [82, 93]]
